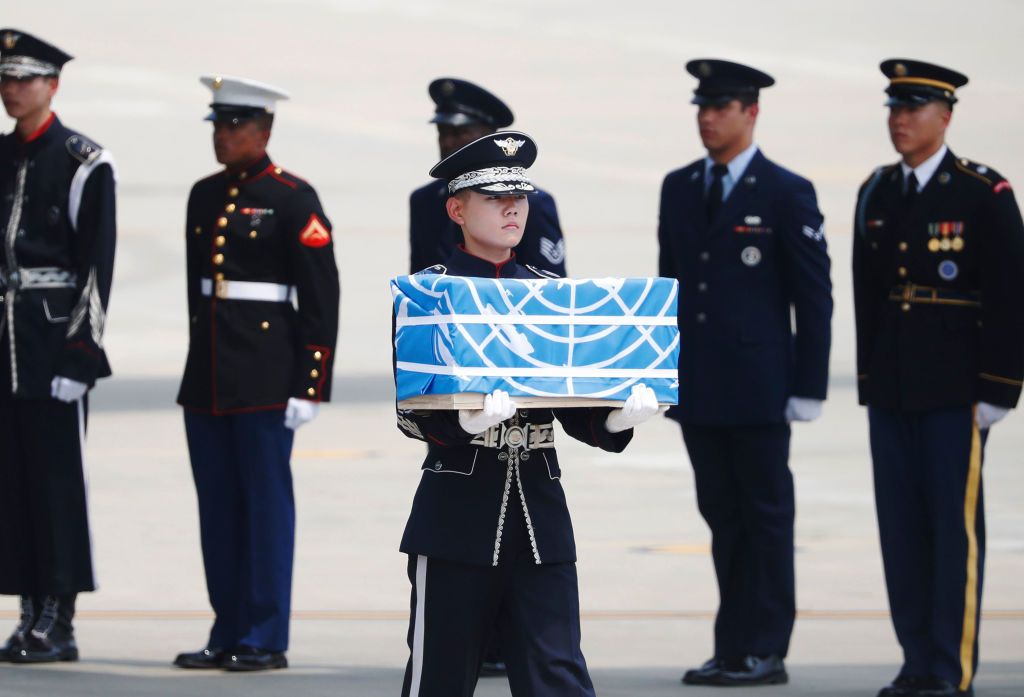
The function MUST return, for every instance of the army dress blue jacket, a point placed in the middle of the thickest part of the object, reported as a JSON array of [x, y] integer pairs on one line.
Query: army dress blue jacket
[[262, 225], [57, 240], [937, 289], [433, 236], [742, 276], [473, 485]]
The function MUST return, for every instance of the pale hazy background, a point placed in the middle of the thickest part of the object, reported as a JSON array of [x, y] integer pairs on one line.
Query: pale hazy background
[[600, 84]]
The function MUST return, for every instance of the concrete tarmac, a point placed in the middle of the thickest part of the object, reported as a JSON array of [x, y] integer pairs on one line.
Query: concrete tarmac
[[646, 581]]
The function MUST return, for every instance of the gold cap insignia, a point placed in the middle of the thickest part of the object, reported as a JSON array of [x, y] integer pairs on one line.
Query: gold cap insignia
[[11, 40], [509, 146], [447, 88], [900, 70], [704, 69], [217, 82]]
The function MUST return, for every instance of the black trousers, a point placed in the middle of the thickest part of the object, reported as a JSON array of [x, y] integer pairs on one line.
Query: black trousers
[[44, 540], [456, 607], [745, 494], [931, 522]]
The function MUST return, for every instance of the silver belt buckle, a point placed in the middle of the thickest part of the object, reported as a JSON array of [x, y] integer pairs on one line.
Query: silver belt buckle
[[221, 289]]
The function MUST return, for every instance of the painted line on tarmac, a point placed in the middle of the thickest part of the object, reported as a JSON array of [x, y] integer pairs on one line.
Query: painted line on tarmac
[[403, 615]]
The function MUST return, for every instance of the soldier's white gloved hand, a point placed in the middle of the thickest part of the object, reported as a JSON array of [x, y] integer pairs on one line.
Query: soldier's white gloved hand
[[67, 390], [802, 409], [641, 404], [299, 411], [498, 407], [987, 414]]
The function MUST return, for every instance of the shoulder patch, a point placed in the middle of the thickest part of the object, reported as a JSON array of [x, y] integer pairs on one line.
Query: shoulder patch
[[315, 234], [439, 269], [83, 149], [543, 273]]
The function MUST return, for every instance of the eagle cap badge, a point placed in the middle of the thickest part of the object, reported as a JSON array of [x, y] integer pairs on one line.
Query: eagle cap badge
[[11, 40], [900, 70], [705, 69], [510, 146]]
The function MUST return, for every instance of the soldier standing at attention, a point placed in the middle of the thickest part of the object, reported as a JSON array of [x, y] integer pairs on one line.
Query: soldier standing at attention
[[57, 231], [263, 306], [937, 256], [465, 112], [489, 538], [746, 241]]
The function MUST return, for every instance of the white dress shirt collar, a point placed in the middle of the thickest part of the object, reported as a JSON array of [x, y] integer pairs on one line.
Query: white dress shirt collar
[[924, 171]]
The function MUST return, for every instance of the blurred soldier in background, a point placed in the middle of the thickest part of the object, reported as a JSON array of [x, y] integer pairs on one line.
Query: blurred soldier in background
[[746, 240], [464, 113], [263, 305], [57, 222], [937, 255]]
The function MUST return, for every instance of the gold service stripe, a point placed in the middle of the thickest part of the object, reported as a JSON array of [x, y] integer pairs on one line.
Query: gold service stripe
[[970, 628]]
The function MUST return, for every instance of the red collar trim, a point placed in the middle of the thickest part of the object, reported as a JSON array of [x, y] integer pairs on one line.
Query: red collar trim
[[42, 129], [497, 267]]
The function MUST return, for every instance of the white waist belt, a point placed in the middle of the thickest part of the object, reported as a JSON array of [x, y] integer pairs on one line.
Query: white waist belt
[[246, 290]]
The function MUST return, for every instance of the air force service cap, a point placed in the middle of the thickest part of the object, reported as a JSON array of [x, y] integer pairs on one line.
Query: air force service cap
[[23, 56], [461, 103], [912, 83], [494, 165], [723, 81], [239, 99]]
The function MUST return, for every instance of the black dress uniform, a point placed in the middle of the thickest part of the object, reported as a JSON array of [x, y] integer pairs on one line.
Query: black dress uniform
[[263, 298], [432, 235], [745, 266], [489, 538], [939, 330], [57, 222]]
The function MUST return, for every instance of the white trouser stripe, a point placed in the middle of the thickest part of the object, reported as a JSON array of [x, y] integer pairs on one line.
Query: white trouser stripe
[[85, 482], [417, 631]]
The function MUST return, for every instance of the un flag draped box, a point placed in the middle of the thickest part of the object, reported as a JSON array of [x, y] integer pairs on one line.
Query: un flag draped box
[[547, 342]]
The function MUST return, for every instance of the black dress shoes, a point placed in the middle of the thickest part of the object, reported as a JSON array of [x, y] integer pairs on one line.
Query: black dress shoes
[[245, 659], [923, 687], [45, 649], [707, 674], [755, 670], [493, 669], [207, 659], [13, 644]]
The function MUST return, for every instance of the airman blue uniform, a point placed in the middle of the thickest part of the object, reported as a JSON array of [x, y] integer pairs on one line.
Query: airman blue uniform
[[746, 265]]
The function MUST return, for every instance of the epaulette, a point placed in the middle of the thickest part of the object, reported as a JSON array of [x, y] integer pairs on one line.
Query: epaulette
[[439, 269], [543, 273], [83, 149], [285, 177], [979, 171]]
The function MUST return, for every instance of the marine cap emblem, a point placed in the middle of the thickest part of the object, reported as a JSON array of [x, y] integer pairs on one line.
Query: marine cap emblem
[[704, 69], [900, 70], [11, 40], [509, 146], [217, 82]]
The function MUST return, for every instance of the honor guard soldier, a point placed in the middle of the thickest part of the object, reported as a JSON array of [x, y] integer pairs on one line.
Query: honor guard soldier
[[57, 225], [464, 113], [489, 539], [937, 255], [263, 305], [746, 240]]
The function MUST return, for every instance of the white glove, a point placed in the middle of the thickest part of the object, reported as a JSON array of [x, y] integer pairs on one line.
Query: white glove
[[498, 407], [802, 409], [987, 414], [299, 411], [641, 404], [67, 390]]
